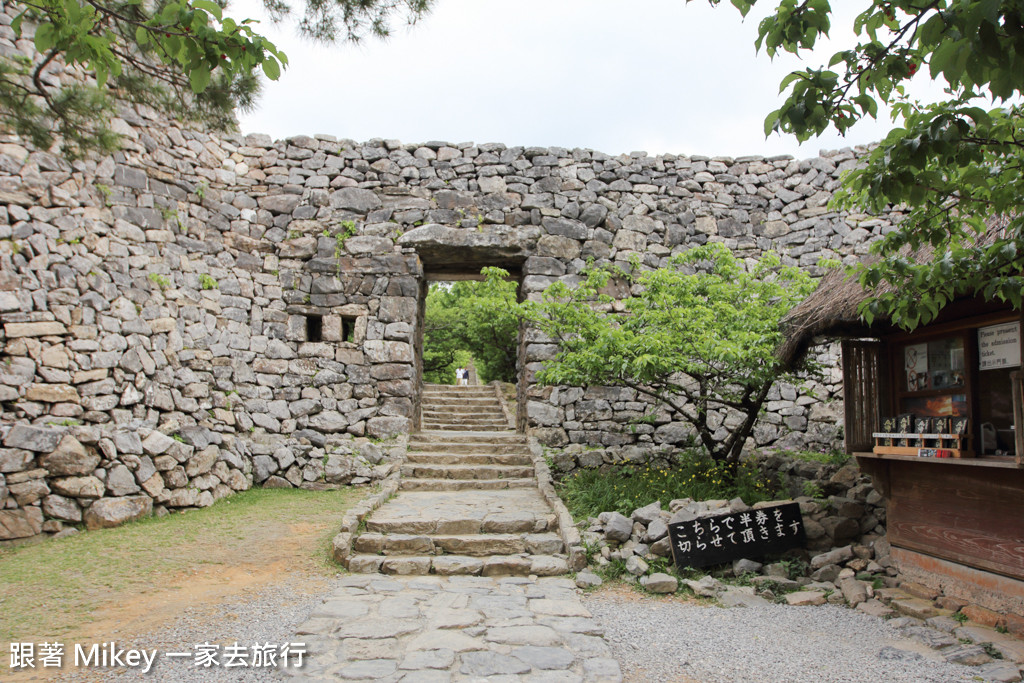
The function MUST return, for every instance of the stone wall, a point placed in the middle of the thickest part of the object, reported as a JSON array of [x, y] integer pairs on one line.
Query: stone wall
[[256, 301]]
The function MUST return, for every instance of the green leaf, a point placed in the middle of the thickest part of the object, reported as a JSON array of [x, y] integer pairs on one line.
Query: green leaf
[[271, 68], [199, 77], [46, 37], [209, 7]]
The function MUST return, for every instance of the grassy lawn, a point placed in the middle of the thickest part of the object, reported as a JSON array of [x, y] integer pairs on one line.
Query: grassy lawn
[[52, 588]]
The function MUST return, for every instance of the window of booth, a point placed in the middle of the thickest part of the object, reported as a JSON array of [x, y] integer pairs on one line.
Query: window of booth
[[959, 383]]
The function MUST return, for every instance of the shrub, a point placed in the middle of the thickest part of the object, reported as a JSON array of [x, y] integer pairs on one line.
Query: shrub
[[625, 488]]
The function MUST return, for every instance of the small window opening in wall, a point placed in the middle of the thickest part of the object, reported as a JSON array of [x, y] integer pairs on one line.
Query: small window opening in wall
[[348, 329], [314, 328]]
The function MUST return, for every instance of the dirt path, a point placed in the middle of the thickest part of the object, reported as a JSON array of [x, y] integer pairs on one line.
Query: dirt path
[[118, 584]]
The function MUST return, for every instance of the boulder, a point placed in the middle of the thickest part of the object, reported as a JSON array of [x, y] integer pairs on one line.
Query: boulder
[[656, 530], [20, 523], [744, 566], [835, 556], [661, 583], [854, 591], [588, 579], [111, 512], [707, 586], [648, 513], [618, 528], [15, 459], [121, 482], [70, 458], [64, 509], [78, 487]]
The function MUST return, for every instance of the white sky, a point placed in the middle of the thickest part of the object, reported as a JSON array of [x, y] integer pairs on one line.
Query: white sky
[[661, 76]]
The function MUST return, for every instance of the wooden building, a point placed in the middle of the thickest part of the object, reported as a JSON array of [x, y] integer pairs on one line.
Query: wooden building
[[935, 417]]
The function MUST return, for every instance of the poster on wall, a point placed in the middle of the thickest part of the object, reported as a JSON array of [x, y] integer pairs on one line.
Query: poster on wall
[[999, 346], [915, 360]]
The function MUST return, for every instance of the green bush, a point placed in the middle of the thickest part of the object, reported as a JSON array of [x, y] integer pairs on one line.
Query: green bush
[[588, 493]]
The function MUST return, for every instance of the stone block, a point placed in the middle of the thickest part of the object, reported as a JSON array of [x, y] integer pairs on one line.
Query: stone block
[[33, 438], [111, 512], [70, 458], [20, 523]]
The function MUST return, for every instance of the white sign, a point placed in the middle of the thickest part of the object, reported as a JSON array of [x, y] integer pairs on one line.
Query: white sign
[[999, 346]]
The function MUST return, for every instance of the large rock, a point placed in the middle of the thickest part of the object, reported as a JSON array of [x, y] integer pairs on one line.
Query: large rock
[[15, 459], [121, 481], [648, 513], [836, 556], [78, 487], [33, 438], [661, 583], [70, 458], [355, 199], [618, 527], [64, 509], [386, 427], [111, 512], [20, 523], [339, 469]]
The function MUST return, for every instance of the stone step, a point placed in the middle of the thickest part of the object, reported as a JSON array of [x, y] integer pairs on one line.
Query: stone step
[[431, 403], [475, 545], [447, 565], [425, 436], [462, 413], [456, 389], [514, 510], [441, 458], [448, 396], [462, 406], [474, 419], [465, 428], [419, 470], [468, 448], [465, 484]]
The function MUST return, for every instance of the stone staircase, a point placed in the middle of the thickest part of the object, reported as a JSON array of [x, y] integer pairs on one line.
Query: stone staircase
[[454, 408], [468, 501]]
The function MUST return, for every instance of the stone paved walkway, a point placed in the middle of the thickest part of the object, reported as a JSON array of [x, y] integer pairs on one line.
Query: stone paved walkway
[[455, 628]]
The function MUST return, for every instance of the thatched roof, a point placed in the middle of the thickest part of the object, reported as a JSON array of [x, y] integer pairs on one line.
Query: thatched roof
[[831, 309]]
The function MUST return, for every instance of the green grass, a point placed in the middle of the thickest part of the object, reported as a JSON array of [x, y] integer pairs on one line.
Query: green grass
[[588, 493], [52, 587]]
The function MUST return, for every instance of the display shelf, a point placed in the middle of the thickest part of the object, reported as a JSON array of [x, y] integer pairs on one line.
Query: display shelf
[[958, 445]]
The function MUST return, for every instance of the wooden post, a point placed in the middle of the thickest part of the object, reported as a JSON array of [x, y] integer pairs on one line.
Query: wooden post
[[1017, 389]]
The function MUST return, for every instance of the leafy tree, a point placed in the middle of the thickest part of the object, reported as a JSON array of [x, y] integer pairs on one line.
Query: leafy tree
[[700, 337], [954, 163], [183, 56], [473, 318]]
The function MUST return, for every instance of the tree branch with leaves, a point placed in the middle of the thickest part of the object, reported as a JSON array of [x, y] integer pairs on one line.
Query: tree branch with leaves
[[185, 57], [954, 164], [699, 338]]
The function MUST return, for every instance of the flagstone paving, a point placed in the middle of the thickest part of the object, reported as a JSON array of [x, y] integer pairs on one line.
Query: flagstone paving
[[414, 629]]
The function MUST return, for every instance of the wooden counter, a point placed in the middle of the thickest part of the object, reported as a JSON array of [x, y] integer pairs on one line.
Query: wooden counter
[[966, 510]]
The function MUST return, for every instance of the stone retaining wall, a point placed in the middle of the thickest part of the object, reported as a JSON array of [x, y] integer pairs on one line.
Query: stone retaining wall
[[264, 294]]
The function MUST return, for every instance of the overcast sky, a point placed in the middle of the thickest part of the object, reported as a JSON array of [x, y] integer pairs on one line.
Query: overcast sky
[[660, 76]]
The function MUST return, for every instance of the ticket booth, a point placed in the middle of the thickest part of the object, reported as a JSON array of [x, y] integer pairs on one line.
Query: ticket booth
[[935, 417]]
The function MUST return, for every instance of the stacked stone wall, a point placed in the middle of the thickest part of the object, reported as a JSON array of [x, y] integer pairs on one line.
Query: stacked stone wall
[[252, 305]]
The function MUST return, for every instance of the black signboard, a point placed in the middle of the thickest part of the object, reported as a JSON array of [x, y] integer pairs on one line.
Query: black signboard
[[724, 538]]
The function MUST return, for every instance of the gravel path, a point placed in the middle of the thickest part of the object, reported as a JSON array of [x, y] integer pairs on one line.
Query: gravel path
[[668, 640]]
